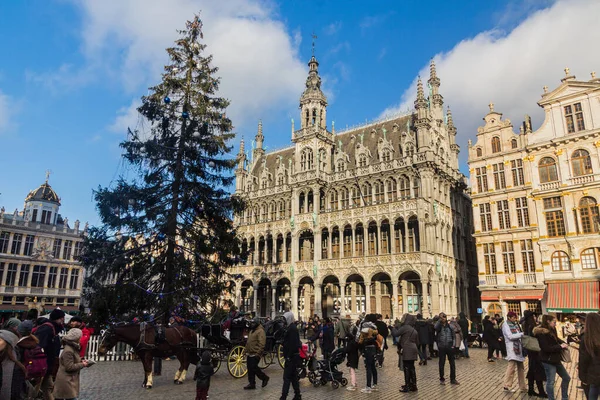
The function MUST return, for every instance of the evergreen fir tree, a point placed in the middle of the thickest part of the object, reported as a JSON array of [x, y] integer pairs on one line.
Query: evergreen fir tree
[[167, 235]]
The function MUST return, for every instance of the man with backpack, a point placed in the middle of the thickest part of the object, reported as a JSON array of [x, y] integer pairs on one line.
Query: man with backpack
[[47, 334]]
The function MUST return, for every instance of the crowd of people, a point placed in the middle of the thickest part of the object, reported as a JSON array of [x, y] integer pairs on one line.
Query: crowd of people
[[31, 357], [513, 340]]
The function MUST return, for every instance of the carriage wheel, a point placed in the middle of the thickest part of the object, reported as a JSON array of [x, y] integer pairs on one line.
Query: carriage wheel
[[216, 361], [265, 360], [236, 362], [280, 356]]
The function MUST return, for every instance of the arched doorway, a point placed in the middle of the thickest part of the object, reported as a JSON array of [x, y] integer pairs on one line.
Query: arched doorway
[[306, 249], [411, 293], [331, 301], [306, 298], [381, 294], [355, 295], [263, 299], [283, 296], [247, 296]]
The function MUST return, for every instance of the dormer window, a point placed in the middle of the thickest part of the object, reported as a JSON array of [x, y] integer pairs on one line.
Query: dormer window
[[479, 152], [264, 183], [514, 144], [362, 160], [496, 148], [574, 118], [341, 166], [386, 155]]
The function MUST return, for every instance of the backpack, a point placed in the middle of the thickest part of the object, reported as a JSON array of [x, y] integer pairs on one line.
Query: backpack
[[35, 360]]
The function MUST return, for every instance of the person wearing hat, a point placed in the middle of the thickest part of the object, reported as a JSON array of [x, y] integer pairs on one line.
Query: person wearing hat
[[12, 372], [77, 322], [70, 364], [255, 345], [47, 334], [27, 325], [514, 352], [12, 325]]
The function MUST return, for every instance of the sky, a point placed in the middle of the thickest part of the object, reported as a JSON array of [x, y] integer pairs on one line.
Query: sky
[[73, 71]]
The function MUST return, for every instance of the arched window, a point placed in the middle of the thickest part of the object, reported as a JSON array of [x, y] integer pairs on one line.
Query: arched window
[[367, 194], [581, 163], [306, 159], [590, 218], [404, 187], [410, 149], [273, 208], [386, 155], [344, 198], [479, 152], [281, 209], [264, 183], [379, 192], [362, 160], [333, 200], [341, 166], [494, 309], [355, 196], [548, 170], [514, 144], [280, 180], [392, 193], [496, 148], [322, 159], [560, 261], [589, 258]]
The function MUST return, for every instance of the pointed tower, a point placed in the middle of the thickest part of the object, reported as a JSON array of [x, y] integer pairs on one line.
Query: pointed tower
[[313, 103], [436, 102], [455, 148], [240, 172], [259, 139], [422, 123]]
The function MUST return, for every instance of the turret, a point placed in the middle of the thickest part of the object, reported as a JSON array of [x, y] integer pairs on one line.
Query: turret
[[259, 139], [436, 101], [313, 103], [422, 123]]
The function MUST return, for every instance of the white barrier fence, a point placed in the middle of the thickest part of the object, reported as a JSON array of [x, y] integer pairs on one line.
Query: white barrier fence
[[121, 352]]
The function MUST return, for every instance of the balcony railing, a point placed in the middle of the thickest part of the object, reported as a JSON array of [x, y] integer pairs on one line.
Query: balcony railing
[[491, 280], [529, 277], [578, 180], [549, 185]]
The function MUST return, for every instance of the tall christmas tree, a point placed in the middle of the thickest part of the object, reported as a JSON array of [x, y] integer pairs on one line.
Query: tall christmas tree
[[167, 237]]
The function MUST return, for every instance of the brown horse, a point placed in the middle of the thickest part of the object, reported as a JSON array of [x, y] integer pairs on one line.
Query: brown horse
[[179, 341]]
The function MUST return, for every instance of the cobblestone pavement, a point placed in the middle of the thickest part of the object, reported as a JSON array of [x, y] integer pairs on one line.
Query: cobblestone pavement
[[478, 380]]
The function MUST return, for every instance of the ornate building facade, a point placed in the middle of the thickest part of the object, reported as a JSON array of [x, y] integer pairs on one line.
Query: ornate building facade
[[38, 250], [535, 200], [371, 219]]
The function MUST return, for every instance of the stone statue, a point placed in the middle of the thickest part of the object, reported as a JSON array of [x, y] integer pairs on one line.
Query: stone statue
[[314, 270], [292, 222], [76, 224], [66, 222], [86, 226], [314, 217], [384, 132], [435, 208], [291, 272], [2, 212], [27, 216], [438, 266], [15, 214]]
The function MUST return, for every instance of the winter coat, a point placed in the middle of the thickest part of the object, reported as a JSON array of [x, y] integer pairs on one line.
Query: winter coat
[[351, 352], [445, 335], [422, 328], [328, 339], [50, 342], [342, 327], [255, 345], [204, 370], [66, 385], [368, 335], [408, 338], [458, 334], [463, 322], [589, 365], [382, 328], [85, 338], [489, 334], [514, 347], [291, 342], [536, 368], [550, 345], [16, 389]]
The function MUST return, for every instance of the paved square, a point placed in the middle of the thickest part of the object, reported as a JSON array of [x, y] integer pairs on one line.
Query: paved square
[[479, 380]]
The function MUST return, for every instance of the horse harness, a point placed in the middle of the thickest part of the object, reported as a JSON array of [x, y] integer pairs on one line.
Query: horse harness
[[160, 336]]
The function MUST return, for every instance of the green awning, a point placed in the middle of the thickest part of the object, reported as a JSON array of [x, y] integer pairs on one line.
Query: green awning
[[571, 310]]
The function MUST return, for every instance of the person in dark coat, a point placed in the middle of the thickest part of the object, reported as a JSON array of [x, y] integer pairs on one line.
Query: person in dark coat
[[550, 355], [446, 341], [408, 351], [490, 337], [47, 334], [328, 338], [352, 357], [589, 355], [12, 372], [384, 331], [422, 327], [463, 322], [535, 372], [291, 353], [204, 370], [501, 349], [432, 337]]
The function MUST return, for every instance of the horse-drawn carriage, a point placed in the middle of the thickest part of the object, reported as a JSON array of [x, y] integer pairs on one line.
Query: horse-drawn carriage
[[228, 345]]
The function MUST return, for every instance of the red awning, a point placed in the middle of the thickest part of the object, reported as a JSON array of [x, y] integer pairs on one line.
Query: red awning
[[494, 295], [573, 297]]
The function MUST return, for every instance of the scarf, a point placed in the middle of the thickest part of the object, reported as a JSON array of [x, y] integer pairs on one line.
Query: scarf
[[8, 367], [514, 328]]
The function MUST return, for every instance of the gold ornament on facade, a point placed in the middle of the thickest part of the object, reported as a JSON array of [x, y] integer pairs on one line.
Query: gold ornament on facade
[[558, 152]]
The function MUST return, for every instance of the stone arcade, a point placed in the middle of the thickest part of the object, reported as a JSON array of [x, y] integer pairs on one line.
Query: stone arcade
[[371, 219]]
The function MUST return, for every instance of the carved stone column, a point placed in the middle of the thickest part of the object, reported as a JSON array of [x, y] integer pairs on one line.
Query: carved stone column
[[396, 310], [368, 297], [295, 301], [318, 295], [255, 299], [273, 301], [343, 299]]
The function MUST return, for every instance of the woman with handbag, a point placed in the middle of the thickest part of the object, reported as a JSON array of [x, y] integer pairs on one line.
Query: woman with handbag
[[408, 339], [535, 372], [514, 352], [589, 355], [550, 355]]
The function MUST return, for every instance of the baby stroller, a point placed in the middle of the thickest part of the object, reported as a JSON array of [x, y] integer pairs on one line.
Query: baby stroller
[[308, 361], [327, 371]]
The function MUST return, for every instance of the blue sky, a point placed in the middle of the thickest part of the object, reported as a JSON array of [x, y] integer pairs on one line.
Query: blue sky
[[72, 71]]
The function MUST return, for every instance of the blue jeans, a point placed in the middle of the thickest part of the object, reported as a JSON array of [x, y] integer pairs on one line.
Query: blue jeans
[[594, 392], [551, 371], [466, 351]]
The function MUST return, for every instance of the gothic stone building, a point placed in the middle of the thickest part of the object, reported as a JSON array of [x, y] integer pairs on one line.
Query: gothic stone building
[[372, 219], [535, 201], [38, 250]]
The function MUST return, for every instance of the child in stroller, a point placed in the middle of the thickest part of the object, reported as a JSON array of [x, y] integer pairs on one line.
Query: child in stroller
[[327, 371]]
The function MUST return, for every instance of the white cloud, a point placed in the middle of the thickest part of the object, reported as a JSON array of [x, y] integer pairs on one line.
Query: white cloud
[[127, 117], [339, 47], [5, 111], [333, 28], [510, 68], [256, 55]]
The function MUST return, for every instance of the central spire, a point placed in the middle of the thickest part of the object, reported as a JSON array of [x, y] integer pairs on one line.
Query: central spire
[[313, 103]]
